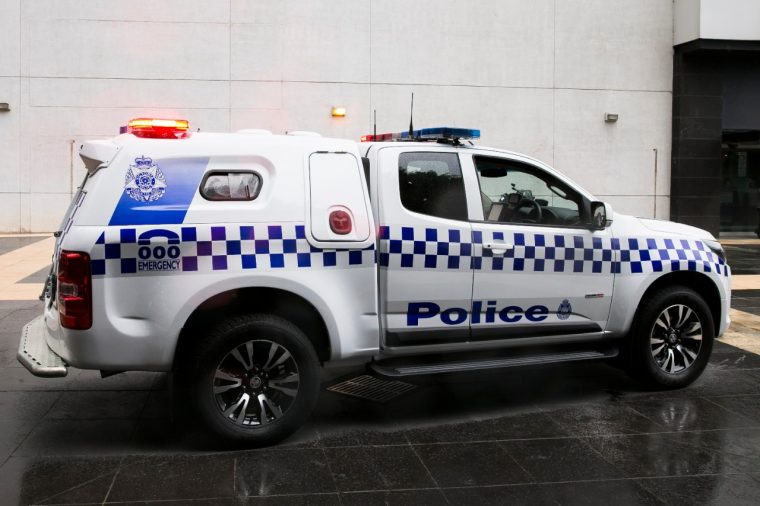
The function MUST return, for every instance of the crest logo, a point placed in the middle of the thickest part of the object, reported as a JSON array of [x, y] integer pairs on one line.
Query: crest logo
[[144, 181], [564, 310]]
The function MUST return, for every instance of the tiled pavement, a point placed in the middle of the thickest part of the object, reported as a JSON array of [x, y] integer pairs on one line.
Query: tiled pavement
[[745, 260], [583, 434]]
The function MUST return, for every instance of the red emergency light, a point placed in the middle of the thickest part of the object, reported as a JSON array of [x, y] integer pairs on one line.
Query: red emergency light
[[156, 128], [378, 137]]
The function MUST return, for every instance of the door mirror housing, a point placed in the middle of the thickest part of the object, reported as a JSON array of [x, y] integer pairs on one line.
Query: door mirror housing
[[598, 216]]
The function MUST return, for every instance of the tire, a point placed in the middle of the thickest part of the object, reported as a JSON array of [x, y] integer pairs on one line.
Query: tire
[[256, 379], [671, 339]]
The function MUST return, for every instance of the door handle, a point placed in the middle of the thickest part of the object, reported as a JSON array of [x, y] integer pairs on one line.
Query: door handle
[[498, 248]]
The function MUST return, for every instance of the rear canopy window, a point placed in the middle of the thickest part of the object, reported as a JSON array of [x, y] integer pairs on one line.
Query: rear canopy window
[[431, 183], [231, 186]]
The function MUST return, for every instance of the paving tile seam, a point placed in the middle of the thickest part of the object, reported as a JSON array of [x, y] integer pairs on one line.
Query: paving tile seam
[[46, 499], [655, 422], [156, 501], [113, 481], [729, 410], [509, 454], [329, 470], [26, 436], [732, 395], [243, 452], [559, 438], [427, 470], [604, 458], [591, 480], [499, 485], [417, 489]]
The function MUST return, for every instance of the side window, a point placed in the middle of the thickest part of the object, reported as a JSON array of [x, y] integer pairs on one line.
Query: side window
[[231, 186], [431, 183], [512, 192]]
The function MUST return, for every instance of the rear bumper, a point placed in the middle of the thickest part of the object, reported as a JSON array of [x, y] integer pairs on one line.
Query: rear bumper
[[35, 354]]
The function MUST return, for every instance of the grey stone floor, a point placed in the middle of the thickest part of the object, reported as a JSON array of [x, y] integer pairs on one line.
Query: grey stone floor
[[583, 434]]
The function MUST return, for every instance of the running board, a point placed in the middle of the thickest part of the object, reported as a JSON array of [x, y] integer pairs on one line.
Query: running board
[[476, 365]]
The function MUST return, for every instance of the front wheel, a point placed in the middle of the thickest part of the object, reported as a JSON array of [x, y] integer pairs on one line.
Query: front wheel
[[256, 379], [672, 338]]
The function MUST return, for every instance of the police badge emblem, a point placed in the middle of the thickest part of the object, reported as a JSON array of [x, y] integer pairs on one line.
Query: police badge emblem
[[564, 310], [144, 181]]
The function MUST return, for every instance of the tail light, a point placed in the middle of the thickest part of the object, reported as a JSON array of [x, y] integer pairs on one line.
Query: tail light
[[340, 222], [74, 290]]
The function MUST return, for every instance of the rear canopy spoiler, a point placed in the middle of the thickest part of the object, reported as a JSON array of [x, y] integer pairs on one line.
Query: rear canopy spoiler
[[98, 154]]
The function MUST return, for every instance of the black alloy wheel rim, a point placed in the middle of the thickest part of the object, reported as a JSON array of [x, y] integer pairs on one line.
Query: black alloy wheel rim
[[676, 338], [256, 383]]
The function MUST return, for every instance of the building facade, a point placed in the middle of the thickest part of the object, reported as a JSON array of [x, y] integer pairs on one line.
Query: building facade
[[536, 77], [716, 115]]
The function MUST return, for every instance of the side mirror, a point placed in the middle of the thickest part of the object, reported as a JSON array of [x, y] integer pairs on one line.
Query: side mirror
[[598, 216]]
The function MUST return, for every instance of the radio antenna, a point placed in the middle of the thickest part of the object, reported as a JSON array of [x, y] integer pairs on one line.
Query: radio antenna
[[374, 126], [411, 119]]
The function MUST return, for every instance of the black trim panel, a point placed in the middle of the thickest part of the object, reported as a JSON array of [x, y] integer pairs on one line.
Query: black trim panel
[[418, 337], [490, 333]]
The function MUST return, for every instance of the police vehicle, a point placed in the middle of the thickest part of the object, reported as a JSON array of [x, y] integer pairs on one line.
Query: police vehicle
[[244, 262]]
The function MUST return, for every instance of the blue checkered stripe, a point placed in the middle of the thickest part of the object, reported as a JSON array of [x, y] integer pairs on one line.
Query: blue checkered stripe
[[207, 248], [546, 253], [442, 249], [643, 255], [428, 248]]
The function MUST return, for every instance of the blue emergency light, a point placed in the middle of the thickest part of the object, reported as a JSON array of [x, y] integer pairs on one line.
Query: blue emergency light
[[436, 133], [443, 133]]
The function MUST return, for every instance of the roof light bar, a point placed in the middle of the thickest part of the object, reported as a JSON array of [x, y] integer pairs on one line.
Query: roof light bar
[[377, 138], [443, 133], [157, 128], [437, 133]]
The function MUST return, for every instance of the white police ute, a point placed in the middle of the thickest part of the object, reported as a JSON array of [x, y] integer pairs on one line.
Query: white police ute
[[246, 261]]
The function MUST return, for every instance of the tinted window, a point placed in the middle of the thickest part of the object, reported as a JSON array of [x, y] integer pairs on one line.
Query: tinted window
[[231, 186], [431, 183]]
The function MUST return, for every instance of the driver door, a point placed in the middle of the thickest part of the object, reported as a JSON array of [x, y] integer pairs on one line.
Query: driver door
[[538, 270]]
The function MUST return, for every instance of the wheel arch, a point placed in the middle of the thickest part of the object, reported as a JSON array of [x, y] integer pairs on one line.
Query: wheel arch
[[285, 303], [697, 281]]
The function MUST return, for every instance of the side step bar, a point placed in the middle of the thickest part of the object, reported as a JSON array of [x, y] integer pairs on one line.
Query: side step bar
[[34, 353], [490, 363]]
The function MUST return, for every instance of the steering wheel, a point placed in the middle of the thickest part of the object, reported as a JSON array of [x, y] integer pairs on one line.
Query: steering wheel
[[535, 210]]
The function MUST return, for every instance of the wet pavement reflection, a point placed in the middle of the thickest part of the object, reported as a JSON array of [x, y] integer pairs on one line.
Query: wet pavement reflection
[[578, 434]]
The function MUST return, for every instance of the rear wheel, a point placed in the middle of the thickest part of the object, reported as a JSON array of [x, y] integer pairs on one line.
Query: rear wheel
[[256, 379], [672, 338]]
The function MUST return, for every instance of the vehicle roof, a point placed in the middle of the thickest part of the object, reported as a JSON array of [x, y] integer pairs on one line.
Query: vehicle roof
[[365, 146], [223, 141]]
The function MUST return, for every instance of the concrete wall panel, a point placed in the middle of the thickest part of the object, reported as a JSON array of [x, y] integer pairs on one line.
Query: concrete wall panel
[[135, 94], [10, 125], [505, 43], [614, 44], [149, 11], [47, 210], [10, 212], [256, 95], [612, 159], [310, 43], [307, 106], [126, 49], [10, 33]]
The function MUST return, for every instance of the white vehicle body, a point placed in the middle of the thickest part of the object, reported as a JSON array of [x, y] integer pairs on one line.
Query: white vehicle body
[[400, 283]]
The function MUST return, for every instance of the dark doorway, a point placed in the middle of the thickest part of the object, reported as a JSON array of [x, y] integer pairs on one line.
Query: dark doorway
[[740, 181]]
